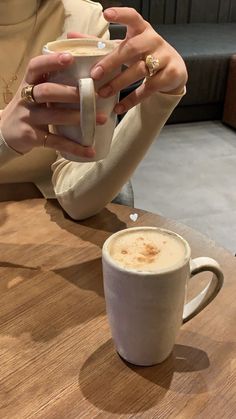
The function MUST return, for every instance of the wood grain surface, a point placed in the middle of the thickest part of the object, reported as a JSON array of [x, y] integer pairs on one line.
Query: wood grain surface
[[57, 359]]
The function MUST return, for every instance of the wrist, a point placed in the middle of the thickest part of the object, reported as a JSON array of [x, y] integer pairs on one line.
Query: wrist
[[177, 91], [7, 145]]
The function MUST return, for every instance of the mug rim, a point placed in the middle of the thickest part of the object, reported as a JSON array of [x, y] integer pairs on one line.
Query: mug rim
[[86, 41], [106, 256]]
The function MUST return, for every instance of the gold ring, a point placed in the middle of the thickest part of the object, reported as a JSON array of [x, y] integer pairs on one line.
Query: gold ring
[[27, 93], [45, 139], [152, 65]]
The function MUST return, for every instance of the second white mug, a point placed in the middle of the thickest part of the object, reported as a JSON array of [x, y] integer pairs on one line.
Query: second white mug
[[146, 271]]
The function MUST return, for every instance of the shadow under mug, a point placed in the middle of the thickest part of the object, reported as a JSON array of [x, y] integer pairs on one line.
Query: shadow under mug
[[146, 309], [89, 52]]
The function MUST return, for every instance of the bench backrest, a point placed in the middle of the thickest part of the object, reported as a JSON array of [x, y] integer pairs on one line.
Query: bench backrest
[[181, 11], [192, 11]]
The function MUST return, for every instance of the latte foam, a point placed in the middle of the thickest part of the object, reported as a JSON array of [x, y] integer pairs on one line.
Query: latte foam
[[147, 250], [78, 49]]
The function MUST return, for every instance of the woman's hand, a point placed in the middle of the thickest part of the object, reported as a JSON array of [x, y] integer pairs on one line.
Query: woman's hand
[[141, 40], [25, 125]]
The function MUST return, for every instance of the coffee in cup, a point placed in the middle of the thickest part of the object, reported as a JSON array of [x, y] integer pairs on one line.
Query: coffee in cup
[[147, 250], [146, 272], [96, 49]]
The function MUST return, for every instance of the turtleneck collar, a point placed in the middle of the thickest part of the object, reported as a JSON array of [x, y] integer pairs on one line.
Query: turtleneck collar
[[17, 11]]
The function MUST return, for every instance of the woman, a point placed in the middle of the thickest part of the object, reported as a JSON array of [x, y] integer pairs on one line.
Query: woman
[[82, 189]]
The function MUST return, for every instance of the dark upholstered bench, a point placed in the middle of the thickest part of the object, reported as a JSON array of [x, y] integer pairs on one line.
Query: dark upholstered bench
[[206, 49]]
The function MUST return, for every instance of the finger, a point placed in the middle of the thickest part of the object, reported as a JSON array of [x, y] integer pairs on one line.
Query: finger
[[64, 145], [132, 74], [46, 64], [57, 116], [54, 92], [126, 16], [153, 84], [71, 35], [129, 76], [128, 50]]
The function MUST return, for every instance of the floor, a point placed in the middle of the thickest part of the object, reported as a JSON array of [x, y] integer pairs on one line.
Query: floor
[[189, 174]]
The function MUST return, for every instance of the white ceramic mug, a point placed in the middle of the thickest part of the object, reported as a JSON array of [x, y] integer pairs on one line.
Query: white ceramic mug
[[146, 308], [78, 74]]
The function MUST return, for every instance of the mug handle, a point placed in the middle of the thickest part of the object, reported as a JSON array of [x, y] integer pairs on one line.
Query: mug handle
[[198, 303], [87, 111]]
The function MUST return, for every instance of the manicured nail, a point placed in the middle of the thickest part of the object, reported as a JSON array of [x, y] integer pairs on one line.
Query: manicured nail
[[101, 119], [105, 91], [119, 109], [89, 152], [65, 58], [97, 72], [110, 14]]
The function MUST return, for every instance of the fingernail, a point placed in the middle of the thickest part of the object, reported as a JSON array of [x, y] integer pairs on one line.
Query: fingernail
[[97, 72], [89, 152], [101, 119], [110, 14], [65, 58], [119, 109], [105, 91]]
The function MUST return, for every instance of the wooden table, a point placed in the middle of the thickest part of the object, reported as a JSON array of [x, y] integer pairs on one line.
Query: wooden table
[[57, 359]]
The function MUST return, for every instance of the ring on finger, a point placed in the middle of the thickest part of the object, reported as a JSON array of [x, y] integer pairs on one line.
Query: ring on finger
[[27, 93], [152, 65]]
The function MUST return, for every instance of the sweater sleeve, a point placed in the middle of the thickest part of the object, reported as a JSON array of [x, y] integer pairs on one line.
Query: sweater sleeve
[[84, 189], [6, 153]]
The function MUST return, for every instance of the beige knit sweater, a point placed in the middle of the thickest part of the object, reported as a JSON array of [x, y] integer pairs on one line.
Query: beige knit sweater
[[82, 189]]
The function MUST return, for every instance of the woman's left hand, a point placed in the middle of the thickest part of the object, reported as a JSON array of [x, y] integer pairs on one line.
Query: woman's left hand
[[141, 40]]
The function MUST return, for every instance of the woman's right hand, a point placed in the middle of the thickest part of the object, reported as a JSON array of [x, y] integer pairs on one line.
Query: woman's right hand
[[25, 125]]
